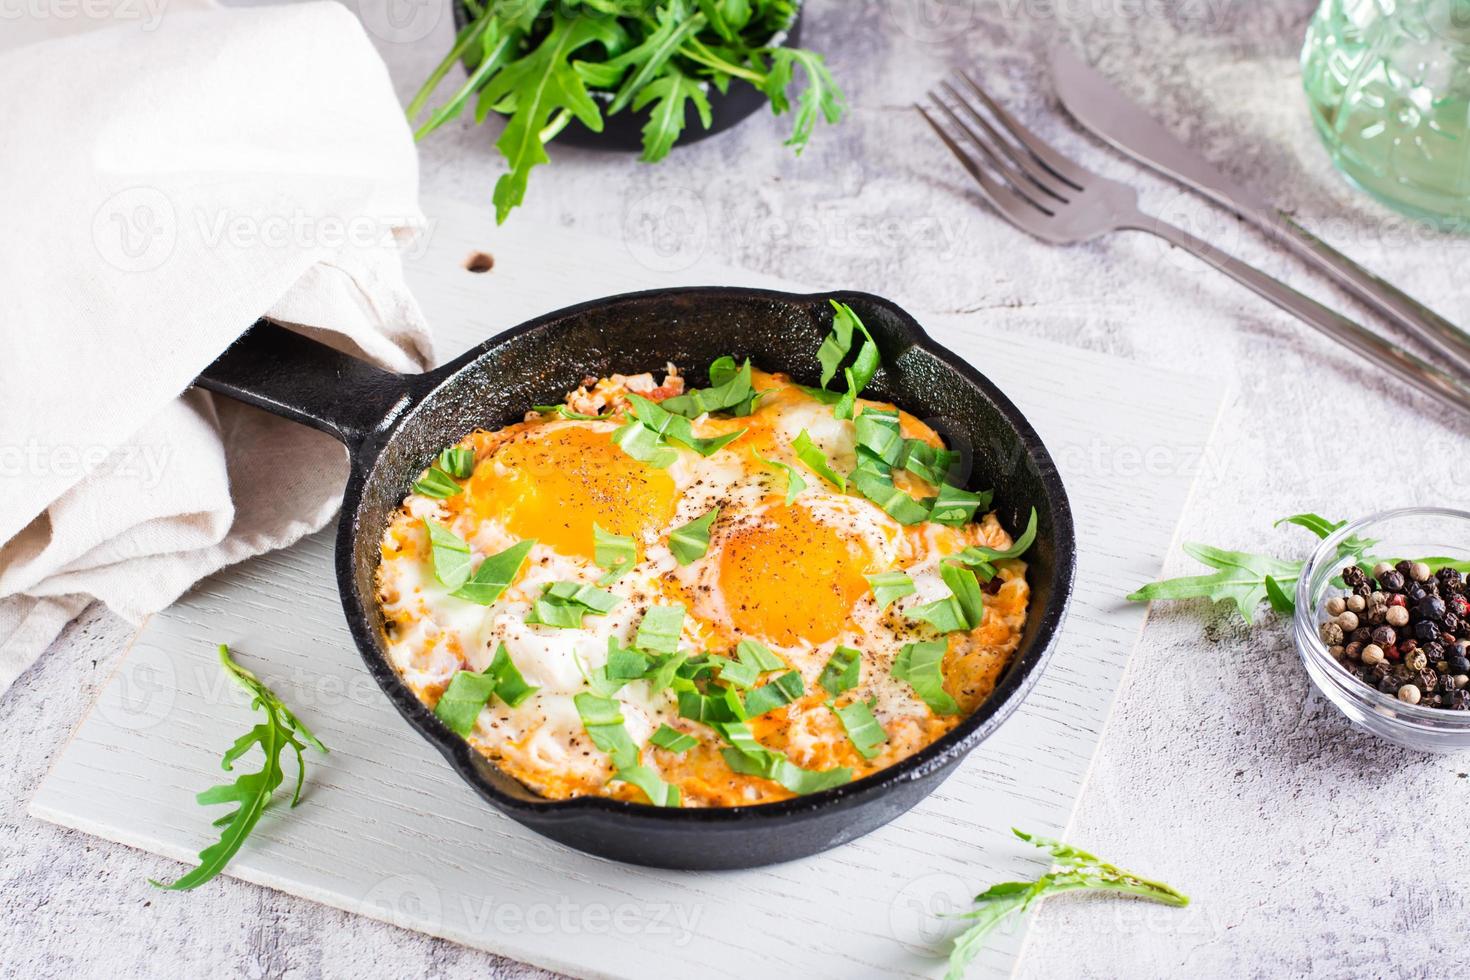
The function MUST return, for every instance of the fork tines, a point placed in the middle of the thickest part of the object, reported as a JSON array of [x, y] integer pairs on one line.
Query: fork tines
[[1014, 170]]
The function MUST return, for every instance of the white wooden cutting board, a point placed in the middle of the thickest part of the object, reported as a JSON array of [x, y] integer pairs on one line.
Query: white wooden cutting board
[[385, 829]]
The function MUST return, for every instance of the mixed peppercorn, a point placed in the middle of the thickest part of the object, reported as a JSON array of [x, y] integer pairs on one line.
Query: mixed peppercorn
[[1406, 631]]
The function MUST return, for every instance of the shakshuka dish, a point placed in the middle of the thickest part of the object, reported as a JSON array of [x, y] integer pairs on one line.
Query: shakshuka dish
[[714, 596]]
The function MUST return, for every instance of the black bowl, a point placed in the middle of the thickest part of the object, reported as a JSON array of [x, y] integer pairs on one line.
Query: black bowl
[[394, 426], [623, 133]]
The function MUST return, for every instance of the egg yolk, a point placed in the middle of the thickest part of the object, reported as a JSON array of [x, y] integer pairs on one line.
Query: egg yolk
[[556, 484], [792, 578]]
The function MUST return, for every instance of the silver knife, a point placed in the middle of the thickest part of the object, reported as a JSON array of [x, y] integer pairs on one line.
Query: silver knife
[[1095, 103]]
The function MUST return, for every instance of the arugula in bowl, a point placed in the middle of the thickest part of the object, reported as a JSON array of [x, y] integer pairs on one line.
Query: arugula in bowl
[[543, 63]]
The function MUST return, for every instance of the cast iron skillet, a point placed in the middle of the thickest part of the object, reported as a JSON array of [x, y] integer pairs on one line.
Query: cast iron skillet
[[394, 425]]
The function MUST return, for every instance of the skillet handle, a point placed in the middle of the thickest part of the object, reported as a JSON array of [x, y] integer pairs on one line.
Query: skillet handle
[[297, 378]]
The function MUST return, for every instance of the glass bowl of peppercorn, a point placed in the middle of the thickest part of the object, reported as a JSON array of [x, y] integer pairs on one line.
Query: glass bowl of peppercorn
[[1382, 624]]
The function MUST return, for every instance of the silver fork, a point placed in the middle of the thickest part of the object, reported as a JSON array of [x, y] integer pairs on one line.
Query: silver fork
[[1043, 193]]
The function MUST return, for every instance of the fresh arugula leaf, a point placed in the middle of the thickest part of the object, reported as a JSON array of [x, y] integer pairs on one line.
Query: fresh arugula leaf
[[1240, 579], [1280, 601], [889, 587], [842, 671], [660, 629], [495, 574], [690, 542], [449, 554], [1076, 870], [250, 793], [535, 62], [811, 454], [540, 85], [779, 692], [862, 728], [922, 665], [673, 740], [613, 553], [820, 99]]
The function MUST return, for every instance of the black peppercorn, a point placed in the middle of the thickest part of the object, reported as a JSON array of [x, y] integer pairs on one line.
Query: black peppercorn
[[1457, 664], [1416, 593], [1451, 622], [1392, 582], [1432, 607], [1404, 567], [1389, 686], [1426, 631], [1385, 636]]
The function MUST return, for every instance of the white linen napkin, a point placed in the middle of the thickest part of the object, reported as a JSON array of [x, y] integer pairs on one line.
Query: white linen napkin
[[165, 182]]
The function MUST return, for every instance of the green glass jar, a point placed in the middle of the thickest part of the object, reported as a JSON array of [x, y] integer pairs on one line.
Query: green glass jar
[[1389, 86]]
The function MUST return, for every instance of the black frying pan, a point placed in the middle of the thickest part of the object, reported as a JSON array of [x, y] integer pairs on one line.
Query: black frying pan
[[394, 426]]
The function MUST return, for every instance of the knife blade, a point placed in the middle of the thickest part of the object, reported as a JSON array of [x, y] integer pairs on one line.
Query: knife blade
[[1111, 116]]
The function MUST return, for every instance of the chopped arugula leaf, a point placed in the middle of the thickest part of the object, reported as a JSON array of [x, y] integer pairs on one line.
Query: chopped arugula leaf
[[250, 793], [794, 483], [603, 720], [667, 425], [955, 507], [842, 671], [437, 484], [449, 554], [458, 463], [877, 435], [734, 394], [962, 610], [977, 554], [834, 350], [690, 542], [566, 413], [715, 708], [460, 704], [737, 674], [928, 463], [646, 778], [889, 587], [922, 665], [811, 454], [645, 445], [862, 728], [625, 663], [495, 574], [673, 740], [613, 553], [776, 767], [1077, 871], [758, 655], [779, 692], [510, 686], [878, 487], [563, 604], [660, 629]]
